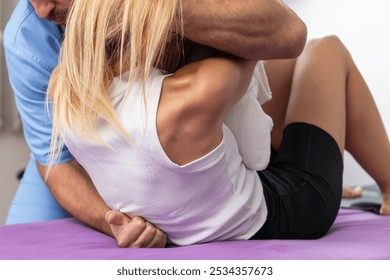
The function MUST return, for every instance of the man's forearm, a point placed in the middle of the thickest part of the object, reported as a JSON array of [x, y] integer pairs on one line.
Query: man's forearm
[[74, 190], [251, 29]]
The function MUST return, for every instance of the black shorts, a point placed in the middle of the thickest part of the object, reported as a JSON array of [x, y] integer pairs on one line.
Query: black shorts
[[302, 185]]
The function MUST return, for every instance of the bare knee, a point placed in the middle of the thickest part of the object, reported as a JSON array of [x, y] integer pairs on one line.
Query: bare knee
[[329, 43], [329, 47]]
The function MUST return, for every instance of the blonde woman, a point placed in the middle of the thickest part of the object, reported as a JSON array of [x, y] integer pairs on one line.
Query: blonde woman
[[155, 145], [32, 46]]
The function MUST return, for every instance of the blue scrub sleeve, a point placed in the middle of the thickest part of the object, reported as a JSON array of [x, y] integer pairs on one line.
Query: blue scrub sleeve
[[29, 79]]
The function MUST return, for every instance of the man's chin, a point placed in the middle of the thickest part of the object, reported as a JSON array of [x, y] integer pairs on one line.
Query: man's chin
[[58, 16]]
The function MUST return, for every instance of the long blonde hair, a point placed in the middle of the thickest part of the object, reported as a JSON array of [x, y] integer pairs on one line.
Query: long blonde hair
[[103, 39]]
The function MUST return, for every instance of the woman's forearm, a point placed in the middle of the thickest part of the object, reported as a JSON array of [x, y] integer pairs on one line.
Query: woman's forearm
[[251, 29]]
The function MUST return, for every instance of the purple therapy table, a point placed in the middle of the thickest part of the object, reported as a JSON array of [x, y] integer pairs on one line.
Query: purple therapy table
[[355, 235]]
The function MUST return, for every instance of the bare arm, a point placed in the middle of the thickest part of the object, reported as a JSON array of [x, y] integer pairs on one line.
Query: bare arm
[[251, 29], [74, 190], [194, 102]]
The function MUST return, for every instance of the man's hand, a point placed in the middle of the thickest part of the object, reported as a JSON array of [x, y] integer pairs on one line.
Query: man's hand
[[135, 232]]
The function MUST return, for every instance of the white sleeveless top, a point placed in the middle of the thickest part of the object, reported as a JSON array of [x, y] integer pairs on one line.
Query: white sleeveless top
[[212, 198]]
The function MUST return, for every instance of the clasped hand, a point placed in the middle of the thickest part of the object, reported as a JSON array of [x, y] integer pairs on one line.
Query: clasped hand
[[135, 232]]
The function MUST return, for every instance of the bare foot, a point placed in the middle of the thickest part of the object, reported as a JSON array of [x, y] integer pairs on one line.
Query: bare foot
[[352, 192]]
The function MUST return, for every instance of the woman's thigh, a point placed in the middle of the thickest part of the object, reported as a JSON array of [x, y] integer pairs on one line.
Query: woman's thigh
[[310, 89], [318, 90], [280, 74]]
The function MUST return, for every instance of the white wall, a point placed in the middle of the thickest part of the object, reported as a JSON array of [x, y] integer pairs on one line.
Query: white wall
[[1, 70], [363, 26], [14, 152], [9, 117]]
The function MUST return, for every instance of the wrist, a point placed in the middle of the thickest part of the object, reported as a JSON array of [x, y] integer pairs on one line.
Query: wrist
[[102, 223]]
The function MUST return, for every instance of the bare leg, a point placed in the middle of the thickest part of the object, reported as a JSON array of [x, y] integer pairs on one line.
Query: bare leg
[[349, 192], [318, 89], [280, 74], [328, 91]]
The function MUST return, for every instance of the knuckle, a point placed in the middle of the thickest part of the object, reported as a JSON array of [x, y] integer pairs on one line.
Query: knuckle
[[151, 229], [122, 243], [136, 244], [164, 241], [139, 222]]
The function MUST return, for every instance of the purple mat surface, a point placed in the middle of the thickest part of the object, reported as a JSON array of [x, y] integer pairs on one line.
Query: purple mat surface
[[355, 235]]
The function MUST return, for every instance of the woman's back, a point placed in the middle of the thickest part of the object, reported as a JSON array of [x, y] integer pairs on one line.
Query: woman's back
[[203, 195]]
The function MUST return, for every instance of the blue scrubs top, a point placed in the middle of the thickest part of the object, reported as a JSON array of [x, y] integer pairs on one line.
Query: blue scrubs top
[[31, 48]]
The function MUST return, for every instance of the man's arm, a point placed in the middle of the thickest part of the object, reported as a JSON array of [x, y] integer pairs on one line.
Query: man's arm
[[36, 60], [251, 29], [74, 190]]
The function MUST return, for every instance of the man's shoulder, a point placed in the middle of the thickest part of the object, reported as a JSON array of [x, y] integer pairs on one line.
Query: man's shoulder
[[27, 34]]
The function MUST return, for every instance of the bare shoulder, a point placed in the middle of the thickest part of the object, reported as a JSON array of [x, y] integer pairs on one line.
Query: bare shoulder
[[187, 127], [203, 88], [194, 102], [212, 82]]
